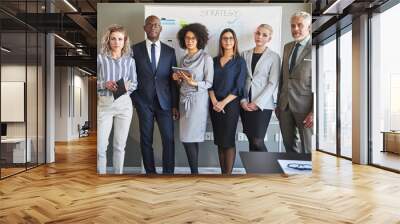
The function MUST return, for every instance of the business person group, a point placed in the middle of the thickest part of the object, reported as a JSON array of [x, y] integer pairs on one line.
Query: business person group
[[251, 85]]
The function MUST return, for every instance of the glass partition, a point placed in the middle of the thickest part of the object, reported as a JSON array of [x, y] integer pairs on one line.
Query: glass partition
[[346, 94], [22, 90], [385, 89], [14, 153], [327, 97]]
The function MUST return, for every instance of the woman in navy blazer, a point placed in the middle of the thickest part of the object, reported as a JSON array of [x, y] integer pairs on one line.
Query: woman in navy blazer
[[229, 78], [263, 72]]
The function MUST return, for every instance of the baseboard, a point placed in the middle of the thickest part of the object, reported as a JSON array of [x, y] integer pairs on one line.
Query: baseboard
[[179, 170]]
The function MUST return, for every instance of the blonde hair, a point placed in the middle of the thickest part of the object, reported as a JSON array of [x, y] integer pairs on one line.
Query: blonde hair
[[105, 40], [266, 26]]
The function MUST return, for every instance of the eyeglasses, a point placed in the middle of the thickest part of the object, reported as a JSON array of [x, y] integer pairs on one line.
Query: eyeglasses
[[226, 39], [190, 38], [299, 166]]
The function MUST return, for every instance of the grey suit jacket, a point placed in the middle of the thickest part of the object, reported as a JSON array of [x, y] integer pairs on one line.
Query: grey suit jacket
[[265, 79], [295, 89]]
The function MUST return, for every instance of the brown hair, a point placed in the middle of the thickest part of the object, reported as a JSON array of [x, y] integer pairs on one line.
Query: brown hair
[[105, 41], [235, 47]]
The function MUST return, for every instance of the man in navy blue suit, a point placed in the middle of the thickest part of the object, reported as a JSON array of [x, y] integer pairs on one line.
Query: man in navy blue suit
[[156, 97]]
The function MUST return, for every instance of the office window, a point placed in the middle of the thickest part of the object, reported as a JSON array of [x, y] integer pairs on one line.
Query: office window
[[385, 89], [327, 97], [346, 94]]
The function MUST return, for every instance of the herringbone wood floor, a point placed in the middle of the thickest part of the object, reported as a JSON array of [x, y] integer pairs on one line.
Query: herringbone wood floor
[[70, 191]]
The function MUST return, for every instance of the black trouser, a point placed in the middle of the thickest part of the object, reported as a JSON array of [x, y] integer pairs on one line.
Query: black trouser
[[192, 152], [255, 126]]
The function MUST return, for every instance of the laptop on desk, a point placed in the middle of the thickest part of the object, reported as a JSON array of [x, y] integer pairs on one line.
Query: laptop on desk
[[267, 162]]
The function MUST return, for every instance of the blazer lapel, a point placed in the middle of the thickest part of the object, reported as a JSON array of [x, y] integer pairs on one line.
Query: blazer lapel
[[248, 57], [146, 55], [260, 61]]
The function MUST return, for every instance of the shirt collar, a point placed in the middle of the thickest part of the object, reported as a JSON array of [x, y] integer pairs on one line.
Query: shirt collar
[[148, 43], [304, 41]]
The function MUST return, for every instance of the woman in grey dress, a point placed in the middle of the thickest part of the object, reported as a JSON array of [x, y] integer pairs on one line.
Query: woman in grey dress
[[194, 85]]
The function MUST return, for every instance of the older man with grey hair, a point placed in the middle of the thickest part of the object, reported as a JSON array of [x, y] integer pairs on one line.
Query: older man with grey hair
[[295, 96]]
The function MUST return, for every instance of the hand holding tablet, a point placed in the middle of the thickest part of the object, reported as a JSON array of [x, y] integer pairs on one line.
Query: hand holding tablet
[[178, 69], [183, 74]]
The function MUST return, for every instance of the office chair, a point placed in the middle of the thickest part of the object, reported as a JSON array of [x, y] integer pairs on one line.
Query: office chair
[[84, 130]]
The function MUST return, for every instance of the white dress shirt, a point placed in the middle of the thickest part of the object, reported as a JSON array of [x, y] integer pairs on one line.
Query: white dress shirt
[[157, 48]]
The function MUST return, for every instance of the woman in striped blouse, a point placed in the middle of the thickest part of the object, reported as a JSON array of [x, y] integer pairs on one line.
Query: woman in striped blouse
[[114, 63]]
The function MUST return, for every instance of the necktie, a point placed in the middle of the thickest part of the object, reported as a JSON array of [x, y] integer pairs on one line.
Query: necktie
[[293, 59], [153, 57]]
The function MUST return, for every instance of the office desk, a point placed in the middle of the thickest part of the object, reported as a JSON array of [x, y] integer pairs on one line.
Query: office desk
[[13, 150], [391, 141]]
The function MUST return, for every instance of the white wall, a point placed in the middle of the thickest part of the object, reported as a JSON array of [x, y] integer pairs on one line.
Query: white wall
[[80, 110], [33, 126], [131, 16], [61, 103], [71, 102], [14, 73], [17, 73]]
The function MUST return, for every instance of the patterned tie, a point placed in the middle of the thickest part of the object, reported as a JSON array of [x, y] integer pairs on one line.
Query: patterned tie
[[153, 57], [293, 59]]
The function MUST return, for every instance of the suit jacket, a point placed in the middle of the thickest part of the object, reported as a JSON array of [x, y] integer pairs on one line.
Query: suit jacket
[[295, 89], [159, 83], [264, 81]]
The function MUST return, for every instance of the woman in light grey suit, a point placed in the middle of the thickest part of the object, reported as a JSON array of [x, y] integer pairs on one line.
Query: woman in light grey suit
[[194, 87], [263, 71]]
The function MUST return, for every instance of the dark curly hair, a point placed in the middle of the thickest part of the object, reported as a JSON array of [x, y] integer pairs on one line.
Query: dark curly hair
[[199, 30]]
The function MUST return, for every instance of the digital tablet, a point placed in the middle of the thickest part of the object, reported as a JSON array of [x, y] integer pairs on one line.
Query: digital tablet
[[186, 70]]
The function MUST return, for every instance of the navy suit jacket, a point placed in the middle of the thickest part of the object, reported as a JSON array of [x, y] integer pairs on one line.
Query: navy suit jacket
[[160, 82]]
